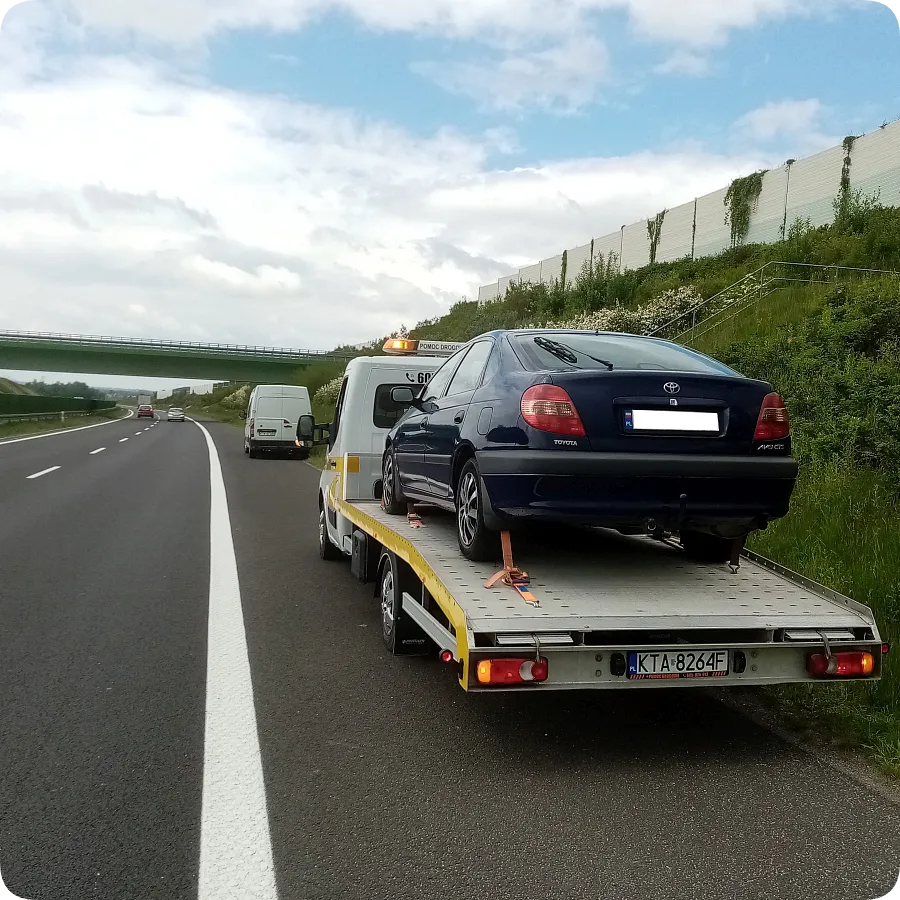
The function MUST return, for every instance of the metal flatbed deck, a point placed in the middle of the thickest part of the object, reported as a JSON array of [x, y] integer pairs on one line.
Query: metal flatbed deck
[[601, 598], [604, 581]]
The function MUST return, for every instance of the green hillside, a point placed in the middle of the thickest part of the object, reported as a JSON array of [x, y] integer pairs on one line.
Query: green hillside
[[829, 340], [12, 387]]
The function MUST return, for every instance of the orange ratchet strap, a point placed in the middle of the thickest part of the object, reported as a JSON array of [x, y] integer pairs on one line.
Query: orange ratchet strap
[[511, 576], [412, 517]]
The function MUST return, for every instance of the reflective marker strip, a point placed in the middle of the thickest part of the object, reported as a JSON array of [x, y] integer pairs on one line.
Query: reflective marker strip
[[45, 472]]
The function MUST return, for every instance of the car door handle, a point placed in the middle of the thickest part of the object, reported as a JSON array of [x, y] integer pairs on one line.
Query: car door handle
[[457, 419]]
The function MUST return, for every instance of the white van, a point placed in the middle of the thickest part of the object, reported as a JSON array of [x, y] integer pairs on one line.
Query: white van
[[364, 415], [272, 418]]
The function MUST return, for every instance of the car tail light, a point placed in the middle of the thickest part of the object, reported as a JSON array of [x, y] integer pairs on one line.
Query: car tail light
[[773, 423], [512, 671], [549, 408], [841, 664], [251, 428]]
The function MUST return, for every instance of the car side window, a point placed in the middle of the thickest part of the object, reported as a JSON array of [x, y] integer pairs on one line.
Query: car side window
[[332, 437], [441, 379], [493, 366], [469, 372]]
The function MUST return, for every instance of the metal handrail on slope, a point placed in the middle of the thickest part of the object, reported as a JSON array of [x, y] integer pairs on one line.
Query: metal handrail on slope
[[760, 287]]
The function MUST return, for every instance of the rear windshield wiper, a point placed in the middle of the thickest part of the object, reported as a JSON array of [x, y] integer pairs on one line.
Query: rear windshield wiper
[[566, 353]]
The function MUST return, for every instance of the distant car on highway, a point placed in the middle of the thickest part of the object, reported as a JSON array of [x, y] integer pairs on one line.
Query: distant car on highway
[[598, 429], [145, 411], [175, 415]]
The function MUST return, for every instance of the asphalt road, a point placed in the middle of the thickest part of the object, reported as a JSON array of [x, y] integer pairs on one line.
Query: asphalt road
[[381, 778]]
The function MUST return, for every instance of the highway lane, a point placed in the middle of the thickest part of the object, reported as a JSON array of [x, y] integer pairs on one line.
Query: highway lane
[[382, 779], [385, 781], [103, 604]]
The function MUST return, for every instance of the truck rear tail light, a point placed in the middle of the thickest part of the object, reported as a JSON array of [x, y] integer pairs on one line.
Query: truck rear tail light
[[550, 408], [512, 671], [841, 665], [773, 423], [251, 428]]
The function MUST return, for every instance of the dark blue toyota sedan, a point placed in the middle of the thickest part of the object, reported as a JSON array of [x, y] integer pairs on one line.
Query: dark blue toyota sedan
[[591, 428]]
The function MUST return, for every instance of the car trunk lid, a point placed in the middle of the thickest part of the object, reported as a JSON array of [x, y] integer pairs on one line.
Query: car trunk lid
[[664, 411]]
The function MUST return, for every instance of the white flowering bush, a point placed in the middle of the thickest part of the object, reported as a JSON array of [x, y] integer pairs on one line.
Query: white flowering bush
[[328, 393], [239, 399], [641, 320]]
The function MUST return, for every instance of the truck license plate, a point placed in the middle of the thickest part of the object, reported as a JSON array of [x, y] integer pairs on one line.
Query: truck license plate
[[678, 664], [267, 431]]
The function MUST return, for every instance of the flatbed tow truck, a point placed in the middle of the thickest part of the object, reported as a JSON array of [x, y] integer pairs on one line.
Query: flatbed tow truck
[[593, 610]]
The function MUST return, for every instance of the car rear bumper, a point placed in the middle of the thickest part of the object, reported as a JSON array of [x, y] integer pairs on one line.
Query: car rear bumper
[[267, 444], [621, 489]]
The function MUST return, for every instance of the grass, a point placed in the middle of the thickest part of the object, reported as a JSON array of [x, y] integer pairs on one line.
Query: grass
[[767, 318], [25, 429], [842, 532]]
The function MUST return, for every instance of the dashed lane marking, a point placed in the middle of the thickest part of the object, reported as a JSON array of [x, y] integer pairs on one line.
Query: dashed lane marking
[[44, 472]]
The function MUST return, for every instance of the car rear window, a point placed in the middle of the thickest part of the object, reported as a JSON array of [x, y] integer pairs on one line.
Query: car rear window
[[625, 352], [386, 413]]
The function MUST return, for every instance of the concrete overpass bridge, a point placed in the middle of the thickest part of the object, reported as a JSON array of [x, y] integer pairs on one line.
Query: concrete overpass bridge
[[104, 355]]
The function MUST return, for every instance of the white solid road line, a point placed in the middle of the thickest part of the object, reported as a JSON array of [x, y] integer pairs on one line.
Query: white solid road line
[[36, 437], [44, 472], [98, 450], [235, 842]]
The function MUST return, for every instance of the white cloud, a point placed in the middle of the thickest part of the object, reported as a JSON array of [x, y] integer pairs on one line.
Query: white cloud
[[692, 22], [132, 203], [793, 124], [684, 62], [566, 75]]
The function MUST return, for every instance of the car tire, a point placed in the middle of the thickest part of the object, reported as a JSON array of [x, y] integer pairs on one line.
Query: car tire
[[391, 498], [253, 452], [706, 547], [246, 447], [327, 550], [476, 541]]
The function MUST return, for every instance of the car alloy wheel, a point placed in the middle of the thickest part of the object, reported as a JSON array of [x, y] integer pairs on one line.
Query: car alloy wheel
[[391, 501], [467, 511]]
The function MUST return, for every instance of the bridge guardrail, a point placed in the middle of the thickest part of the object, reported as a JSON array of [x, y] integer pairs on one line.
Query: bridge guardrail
[[113, 341]]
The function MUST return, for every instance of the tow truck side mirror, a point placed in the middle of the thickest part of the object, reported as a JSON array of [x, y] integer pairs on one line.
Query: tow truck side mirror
[[306, 428]]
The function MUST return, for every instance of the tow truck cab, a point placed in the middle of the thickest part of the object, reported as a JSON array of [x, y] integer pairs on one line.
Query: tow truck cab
[[364, 415]]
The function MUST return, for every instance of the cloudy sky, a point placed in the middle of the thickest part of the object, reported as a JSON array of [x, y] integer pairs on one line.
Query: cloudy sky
[[313, 172]]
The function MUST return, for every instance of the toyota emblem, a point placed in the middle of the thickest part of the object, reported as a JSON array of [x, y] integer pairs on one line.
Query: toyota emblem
[[672, 388]]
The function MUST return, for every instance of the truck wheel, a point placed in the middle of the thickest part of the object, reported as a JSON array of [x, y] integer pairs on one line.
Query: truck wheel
[[401, 635], [475, 540], [327, 550], [706, 547], [393, 500], [252, 451]]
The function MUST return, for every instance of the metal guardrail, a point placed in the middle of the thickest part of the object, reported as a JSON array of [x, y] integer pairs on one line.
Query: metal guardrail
[[150, 343], [753, 288], [41, 417]]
